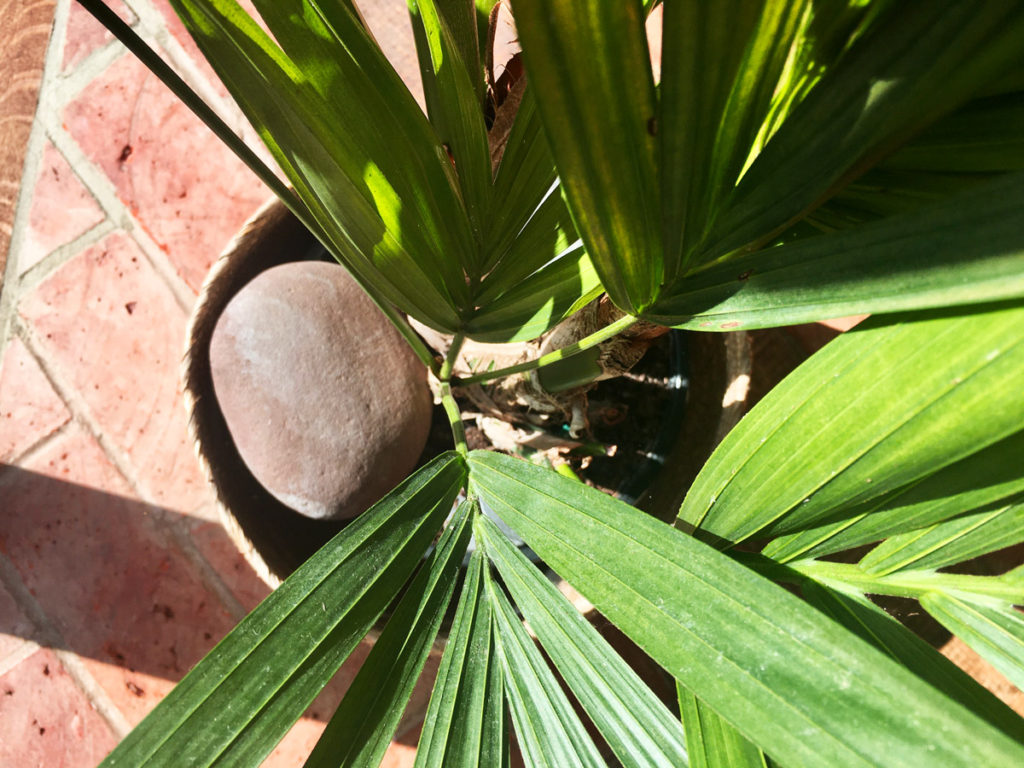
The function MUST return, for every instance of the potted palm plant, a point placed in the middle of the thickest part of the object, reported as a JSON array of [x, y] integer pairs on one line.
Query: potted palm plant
[[795, 161]]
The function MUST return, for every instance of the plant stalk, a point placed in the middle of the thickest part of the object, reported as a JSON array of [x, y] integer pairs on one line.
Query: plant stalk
[[451, 408], [913, 584], [582, 345]]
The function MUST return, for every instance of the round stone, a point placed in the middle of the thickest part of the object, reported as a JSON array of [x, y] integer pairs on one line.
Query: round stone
[[326, 403]]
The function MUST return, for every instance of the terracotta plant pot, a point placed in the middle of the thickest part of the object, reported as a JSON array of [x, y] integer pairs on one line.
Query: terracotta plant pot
[[274, 539]]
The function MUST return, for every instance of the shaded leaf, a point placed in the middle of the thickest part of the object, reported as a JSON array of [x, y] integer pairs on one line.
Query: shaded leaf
[[361, 728], [720, 65], [548, 730], [916, 60], [453, 87], [522, 182], [462, 725], [260, 678], [983, 136], [539, 302], [547, 234], [964, 250], [632, 720]]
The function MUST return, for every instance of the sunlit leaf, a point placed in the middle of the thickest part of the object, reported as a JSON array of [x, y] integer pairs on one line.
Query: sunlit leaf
[[711, 741], [589, 69], [871, 623], [880, 407], [949, 543], [915, 584], [806, 691], [982, 481], [996, 634]]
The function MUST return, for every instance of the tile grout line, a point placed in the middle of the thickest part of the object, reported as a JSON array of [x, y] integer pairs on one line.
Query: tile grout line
[[69, 84], [35, 275], [18, 460], [168, 528], [52, 100], [95, 692], [28, 648], [151, 27], [10, 296], [48, 634], [53, 86], [63, 89], [66, 86], [154, 27], [103, 192]]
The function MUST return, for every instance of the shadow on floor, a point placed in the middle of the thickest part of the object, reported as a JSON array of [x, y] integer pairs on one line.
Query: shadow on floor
[[106, 578]]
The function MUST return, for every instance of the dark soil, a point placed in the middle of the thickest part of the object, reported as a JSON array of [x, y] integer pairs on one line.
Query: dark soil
[[632, 422]]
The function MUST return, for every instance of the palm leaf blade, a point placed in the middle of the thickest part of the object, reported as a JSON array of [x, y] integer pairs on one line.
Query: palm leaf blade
[[806, 691], [361, 728], [260, 678]]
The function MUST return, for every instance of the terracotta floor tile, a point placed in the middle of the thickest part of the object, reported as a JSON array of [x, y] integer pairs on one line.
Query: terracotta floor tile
[[123, 599], [185, 188], [300, 741], [217, 548], [16, 631], [113, 330], [29, 408], [177, 30], [296, 746], [85, 35], [399, 755], [61, 209], [389, 22], [46, 721]]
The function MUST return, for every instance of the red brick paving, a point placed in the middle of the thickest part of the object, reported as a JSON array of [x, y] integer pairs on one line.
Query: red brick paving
[[116, 590], [113, 562], [84, 35], [45, 719], [29, 408], [183, 186], [108, 321], [62, 209]]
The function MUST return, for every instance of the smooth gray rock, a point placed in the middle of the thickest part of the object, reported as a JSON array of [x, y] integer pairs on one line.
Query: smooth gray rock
[[326, 403]]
